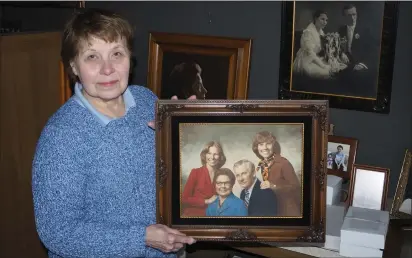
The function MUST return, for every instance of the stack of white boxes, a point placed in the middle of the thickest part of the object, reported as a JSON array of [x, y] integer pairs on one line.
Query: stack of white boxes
[[364, 232], [335, 213]]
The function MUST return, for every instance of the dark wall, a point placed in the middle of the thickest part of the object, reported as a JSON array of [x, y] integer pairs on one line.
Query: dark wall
[[382, 138], [38, 18]]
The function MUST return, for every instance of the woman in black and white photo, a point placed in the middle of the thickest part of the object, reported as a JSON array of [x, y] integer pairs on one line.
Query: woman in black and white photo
[[308, 61]]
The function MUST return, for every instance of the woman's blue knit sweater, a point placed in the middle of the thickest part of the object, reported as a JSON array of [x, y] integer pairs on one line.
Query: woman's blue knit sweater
[[94, 185]]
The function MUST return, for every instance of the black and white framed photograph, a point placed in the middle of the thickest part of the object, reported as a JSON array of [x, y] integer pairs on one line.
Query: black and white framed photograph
[[339, 50]]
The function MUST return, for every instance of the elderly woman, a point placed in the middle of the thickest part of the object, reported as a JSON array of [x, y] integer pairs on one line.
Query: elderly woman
[[278, 174], [199, 190], [227, 204], [94, 166]]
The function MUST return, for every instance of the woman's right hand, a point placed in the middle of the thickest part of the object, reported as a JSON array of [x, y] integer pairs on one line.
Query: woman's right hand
[[327, 67], [211, 199], [345, 58], [166, 239]]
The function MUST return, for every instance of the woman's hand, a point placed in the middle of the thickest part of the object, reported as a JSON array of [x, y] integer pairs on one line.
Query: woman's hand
[[345, 58], [211, 199], [152, 124], [327, 67], [265, 185], [166, 239]]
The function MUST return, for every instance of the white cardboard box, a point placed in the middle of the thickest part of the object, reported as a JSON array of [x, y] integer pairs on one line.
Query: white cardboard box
[[335, 215], [334, 186], [368, 214], [348, 250], [364, 233]]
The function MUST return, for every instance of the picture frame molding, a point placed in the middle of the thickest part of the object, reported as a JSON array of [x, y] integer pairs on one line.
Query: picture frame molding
[[352, 155], [401, 187], [238, 50], [317, 110], [387, 57], [386, 171]]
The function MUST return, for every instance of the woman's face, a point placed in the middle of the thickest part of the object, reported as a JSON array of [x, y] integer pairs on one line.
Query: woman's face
[[321, 21], [103, 69], [265, 149], [223, 185], [213, 156]]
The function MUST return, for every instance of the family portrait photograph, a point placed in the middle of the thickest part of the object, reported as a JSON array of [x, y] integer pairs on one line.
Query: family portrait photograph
[[248, 170]]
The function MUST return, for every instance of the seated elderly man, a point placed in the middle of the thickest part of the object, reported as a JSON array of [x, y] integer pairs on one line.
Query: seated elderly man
[[259, 202]]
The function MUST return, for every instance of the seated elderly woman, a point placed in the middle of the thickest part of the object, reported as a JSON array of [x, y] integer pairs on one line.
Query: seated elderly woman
[[226, 204]]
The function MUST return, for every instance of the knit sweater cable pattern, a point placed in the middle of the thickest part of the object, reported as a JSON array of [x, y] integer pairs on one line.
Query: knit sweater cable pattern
[[93, 185]]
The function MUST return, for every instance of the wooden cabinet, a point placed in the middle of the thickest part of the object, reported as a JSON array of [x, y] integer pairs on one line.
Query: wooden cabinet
[[33, 86]]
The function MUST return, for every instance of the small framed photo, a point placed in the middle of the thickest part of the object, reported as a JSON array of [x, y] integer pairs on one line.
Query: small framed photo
[[341, 156], [369, 187], [242, 170], [209, 67]]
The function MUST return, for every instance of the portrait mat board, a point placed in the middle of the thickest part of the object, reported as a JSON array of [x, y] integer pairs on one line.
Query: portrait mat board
[[172, 115]]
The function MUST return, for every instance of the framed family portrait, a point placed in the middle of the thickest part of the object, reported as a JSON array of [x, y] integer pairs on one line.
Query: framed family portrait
[[404, 185], [242, 170], [369, 187], [341, 156], [206, 66], [339, 50]]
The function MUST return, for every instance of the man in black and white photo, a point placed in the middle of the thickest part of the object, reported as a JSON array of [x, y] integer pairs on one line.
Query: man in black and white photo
[[259, 202], [358, 49]]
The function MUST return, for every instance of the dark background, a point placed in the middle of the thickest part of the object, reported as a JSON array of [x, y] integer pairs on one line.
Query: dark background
[[215, 71], [382, 138]]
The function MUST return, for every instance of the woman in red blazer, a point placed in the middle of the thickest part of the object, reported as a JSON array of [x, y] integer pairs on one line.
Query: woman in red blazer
[[199, 190]]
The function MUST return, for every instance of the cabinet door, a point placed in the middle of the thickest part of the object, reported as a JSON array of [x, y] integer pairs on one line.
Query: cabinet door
[[32, 88]]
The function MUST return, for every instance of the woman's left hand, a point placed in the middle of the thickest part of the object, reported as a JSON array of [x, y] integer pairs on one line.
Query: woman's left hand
[[152, 124], [265, 185]]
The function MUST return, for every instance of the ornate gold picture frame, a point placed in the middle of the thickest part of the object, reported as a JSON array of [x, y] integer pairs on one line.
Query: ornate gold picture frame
[[401, 187], [184, 130]]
